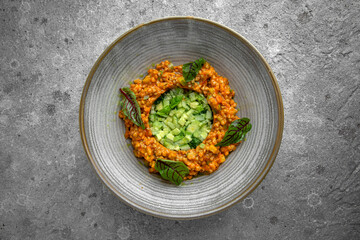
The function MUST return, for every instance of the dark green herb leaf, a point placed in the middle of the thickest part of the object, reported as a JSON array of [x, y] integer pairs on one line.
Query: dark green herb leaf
[[130, 107], [164, 112], [174, 171], [191, 69], [236, 132], [200, 110], [180, 136], [173, 103], [194, 142], [159, 99]]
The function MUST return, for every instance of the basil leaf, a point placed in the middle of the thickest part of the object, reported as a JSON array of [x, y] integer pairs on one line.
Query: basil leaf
[[130, 107], [191, 69], [174, 171], [236, 132]]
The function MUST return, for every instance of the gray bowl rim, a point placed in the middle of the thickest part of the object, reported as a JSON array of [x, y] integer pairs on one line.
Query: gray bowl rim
[[250, 188]]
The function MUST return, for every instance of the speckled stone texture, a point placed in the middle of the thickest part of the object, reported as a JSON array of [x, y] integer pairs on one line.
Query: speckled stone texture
[[48, 189]]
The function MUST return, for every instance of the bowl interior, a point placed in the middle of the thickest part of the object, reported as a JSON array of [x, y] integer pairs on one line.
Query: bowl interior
[[181, 40]]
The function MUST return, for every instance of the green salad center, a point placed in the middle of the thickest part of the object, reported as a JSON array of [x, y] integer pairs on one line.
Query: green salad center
[[181, 119]]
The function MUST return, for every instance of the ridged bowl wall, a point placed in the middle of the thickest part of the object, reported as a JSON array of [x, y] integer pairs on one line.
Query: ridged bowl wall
[[180, 40]]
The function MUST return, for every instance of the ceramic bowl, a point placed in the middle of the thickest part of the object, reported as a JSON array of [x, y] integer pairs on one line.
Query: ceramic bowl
[[180, 40]]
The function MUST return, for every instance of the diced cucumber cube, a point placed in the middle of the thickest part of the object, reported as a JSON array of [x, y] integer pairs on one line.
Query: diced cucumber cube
[[159, 107], [185, 147], [168, 140], [166, 130], [151, 118], [199, 109], [188, 137], [200, 117], [203, 135], [175, 147], [170, 136], [180, 112], [190, 112], [178, 138], [197, 134], [184, 105], [188, 133], [205, 128], [193, 105], [168, 119], [170, 124], [200, 97], [182, 121], [184, 141], [203, 123], [168, 145], [166, 102], [176, 131], [160, 135], [193, 126], [208, 114], [157, 125], [192, 96]]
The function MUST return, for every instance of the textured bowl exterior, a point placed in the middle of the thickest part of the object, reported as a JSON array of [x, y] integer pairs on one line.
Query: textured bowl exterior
[[180, 40]]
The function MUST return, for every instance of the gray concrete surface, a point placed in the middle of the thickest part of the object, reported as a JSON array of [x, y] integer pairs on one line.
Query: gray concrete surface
[[48, 190]]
